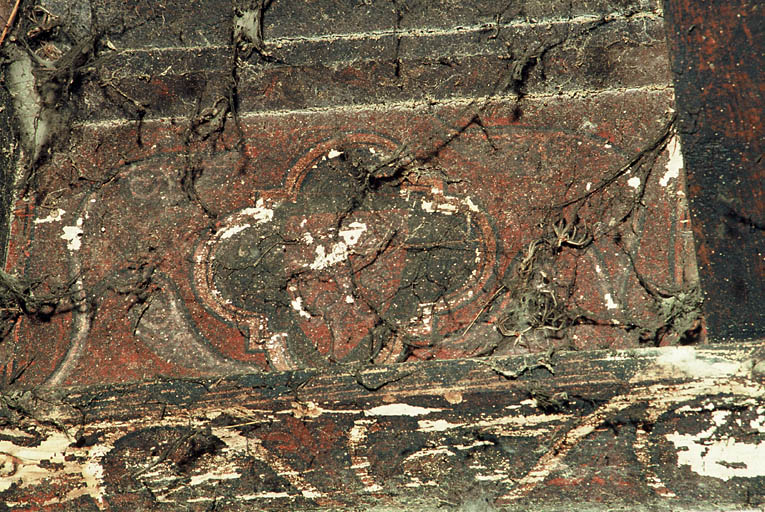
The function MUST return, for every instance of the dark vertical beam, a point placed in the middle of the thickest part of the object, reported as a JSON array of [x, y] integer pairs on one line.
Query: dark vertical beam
[[718, 57]]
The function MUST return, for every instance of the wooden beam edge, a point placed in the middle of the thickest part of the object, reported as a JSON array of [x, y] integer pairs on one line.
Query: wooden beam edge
[[375, 434]]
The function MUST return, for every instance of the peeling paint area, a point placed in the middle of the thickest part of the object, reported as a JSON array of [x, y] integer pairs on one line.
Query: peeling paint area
[[501, 439], [73, 236], [719, 456], [297, 305], [399, 410], [675, 163], [54, 216], [27, 463], [436, 425], [491, 478], [431, 452], [260, 213], [339, 251], [233, 230], [52, 460]]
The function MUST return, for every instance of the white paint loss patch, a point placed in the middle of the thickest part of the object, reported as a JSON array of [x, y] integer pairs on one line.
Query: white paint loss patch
[[262, 496], [198, 479], [73, 236], [54, 460], [759, 423], [634, 182], [54, 216], [297, 305], [610, 303], [436, 207], [723, 458], [233, 230], [436, 425], [352, 234], [339, 251], [399, 410], [447, 208], [431, 452], [324, 259], [471, 205], [491, 478], [35, 463], [333, 153], [675, 163], [260, 213], [93, 472]]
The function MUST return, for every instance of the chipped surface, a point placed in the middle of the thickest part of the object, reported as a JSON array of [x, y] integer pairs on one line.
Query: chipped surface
[[723, 458], [304, 440], [674, 163]]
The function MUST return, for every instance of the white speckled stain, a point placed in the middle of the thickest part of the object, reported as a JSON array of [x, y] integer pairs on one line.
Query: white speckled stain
[[685, 360], [277, 339], [675, 162]]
